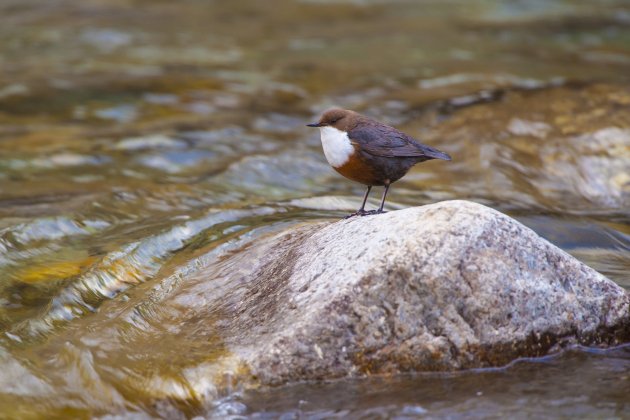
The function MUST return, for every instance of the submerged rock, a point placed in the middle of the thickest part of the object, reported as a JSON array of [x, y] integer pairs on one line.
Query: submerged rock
[[565, 148], [448, 286]]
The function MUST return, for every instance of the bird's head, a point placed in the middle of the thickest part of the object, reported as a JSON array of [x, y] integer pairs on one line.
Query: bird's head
[[341, 119]]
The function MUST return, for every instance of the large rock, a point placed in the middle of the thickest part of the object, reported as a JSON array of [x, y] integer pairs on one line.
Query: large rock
[[447, 286]]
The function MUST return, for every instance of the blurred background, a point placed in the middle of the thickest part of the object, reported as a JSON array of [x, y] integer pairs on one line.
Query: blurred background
[[143, 143]]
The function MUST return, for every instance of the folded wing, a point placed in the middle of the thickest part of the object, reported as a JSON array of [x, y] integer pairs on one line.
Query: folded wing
[[385, 141]]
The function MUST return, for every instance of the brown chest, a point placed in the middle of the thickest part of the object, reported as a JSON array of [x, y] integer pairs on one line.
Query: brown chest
[[360, 170]]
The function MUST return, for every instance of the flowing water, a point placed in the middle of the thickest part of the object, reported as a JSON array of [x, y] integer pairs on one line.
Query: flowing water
[[144, 143]]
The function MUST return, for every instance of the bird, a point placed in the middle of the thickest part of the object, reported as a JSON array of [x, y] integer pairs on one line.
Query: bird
[[369, 152]]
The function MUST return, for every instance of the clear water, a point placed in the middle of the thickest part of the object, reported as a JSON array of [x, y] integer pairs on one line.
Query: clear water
[[143, 144]]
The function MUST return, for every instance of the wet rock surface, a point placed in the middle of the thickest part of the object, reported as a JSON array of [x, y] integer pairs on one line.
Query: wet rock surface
[[447, 286], [565, 148]]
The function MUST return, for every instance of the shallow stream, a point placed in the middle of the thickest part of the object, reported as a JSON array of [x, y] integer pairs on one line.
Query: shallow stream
[[144, 143]]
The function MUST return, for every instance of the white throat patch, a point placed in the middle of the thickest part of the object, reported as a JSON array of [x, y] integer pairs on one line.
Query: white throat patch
[[337, 146]]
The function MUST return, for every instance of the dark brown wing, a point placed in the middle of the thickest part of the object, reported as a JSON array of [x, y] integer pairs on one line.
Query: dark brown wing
[[381, 140]]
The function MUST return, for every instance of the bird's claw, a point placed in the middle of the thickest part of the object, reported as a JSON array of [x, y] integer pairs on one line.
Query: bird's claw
[[371, 212], [364, 213]]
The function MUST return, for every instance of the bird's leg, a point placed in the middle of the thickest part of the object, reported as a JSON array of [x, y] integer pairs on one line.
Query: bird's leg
[[365, 197], [361, 211], [380, 209]]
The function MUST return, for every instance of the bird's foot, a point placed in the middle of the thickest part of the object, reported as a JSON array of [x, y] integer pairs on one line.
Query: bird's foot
[[371, 212], [356, 213], [364, 213]]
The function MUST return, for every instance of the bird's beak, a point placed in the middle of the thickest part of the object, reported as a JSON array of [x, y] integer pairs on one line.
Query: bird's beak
[[314, 125]]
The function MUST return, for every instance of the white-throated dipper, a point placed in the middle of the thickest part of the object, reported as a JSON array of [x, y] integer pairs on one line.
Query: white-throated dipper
[[370, 152]]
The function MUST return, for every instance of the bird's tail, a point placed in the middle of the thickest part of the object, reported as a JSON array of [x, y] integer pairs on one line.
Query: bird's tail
[[432, 153]]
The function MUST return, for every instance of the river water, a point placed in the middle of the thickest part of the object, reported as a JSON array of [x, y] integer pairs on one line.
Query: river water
[[144, 143]]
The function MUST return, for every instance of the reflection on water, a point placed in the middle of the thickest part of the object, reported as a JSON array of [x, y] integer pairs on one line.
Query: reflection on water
[[143, 145], [551, 387]]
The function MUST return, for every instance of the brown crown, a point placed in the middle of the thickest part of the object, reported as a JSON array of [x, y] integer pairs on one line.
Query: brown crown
[[341, 119]]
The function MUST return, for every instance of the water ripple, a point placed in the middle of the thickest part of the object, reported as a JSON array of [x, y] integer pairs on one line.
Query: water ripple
[[117, 271]]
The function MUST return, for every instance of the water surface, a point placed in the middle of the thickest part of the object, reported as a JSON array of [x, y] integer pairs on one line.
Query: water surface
[[144, 143]]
